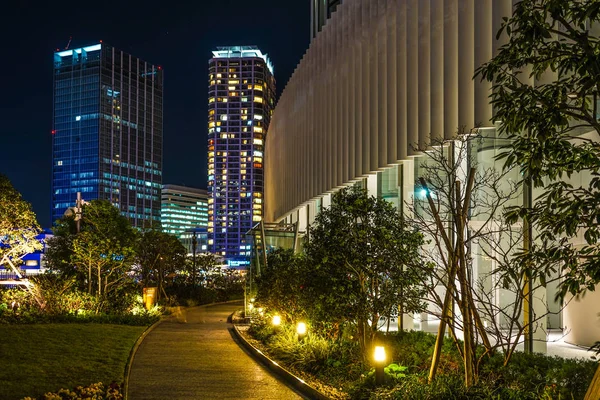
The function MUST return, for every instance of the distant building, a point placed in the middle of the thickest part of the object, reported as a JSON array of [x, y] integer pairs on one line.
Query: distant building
[[32, 263], [320, 12], [184, 210], [107, 133], [240, 103]]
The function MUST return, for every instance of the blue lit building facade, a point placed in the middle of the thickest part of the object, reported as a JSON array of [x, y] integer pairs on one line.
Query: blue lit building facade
[[107, 133], [240, 104]]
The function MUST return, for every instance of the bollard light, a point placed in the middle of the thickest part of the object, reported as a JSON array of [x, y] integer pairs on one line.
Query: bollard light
[[276, 320], [379, 354], [301, 330], [379, 357]]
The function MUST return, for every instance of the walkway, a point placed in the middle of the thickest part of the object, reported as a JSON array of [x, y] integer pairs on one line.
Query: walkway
[[193, 356]]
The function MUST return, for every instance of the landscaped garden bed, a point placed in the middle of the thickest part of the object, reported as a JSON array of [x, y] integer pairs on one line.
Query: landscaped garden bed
[[337, 369]]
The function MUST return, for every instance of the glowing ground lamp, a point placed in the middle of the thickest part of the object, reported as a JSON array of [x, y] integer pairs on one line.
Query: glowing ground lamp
[[301, 330], [379, 358], [276, 321]]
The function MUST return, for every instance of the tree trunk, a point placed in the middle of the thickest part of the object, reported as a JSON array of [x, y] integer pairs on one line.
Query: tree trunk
[[593, 392], [89, 278], [99, 283]]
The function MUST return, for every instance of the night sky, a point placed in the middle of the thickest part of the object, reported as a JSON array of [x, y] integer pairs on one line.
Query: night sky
[[176, 35]]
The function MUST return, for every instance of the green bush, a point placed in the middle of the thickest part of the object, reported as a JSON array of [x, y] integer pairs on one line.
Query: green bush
[[337, 363], [96, 391]]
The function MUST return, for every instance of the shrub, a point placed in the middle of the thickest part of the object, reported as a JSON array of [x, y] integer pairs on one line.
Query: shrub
[[337, 363], [96, 391]]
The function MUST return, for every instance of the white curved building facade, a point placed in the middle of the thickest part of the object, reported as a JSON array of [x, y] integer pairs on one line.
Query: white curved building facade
[[382, 78]]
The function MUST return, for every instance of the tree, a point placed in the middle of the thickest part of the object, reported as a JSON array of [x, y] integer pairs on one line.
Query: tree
[[361, 263], [460, 207], [101, 255], [18, 226], [160, 256], [545, 94], [280, 284], [207, 264]]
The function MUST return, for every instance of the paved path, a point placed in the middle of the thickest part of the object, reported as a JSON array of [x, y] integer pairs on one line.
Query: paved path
[[193, 356]]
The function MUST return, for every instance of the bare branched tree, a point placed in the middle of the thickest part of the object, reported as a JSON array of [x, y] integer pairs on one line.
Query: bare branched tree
[[477, 289]]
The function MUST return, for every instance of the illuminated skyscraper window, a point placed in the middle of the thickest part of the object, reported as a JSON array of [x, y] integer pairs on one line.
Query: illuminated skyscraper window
[[241, 101]]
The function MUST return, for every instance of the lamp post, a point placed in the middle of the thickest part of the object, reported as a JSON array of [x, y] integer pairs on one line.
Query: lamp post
[[194, 244]]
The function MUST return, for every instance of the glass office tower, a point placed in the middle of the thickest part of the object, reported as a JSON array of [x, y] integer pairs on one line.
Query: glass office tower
[[240, 103], [107, 133]]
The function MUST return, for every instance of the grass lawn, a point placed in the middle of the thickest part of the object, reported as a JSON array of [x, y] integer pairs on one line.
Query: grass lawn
[[35, 359]]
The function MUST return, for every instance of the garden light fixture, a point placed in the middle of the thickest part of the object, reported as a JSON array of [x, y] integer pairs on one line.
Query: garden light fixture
[[276, 320], [301, 330], [379, 358]]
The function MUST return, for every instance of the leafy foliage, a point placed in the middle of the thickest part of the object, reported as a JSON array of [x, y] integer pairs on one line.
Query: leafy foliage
[[337, 363], [18, 225], [362, 262], [160, 256], [100, 256], [545, 80], [96, 391], [280, 286]]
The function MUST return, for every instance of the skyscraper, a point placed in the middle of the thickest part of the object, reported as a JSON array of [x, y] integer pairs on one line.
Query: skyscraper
[[240, 103], [107, 133], [320, 12]]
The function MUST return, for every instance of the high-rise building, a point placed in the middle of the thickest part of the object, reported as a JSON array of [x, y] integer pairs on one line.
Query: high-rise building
[[184, 212], [107, 133], [240, 103], [320, 12]]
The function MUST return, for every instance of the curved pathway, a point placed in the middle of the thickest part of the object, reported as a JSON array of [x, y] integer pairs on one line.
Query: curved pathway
[[192, 355]]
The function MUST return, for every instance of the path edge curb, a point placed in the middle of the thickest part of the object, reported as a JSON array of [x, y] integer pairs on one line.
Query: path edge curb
[[289, 378]]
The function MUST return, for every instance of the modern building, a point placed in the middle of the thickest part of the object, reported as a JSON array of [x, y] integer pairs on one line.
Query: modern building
[[32, 264], [107, 131], [320, 12], [240, 103], [381, 79], [184, 213]]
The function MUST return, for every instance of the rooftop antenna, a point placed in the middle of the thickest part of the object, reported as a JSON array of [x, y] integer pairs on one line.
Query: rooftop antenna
[[68, 44]]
